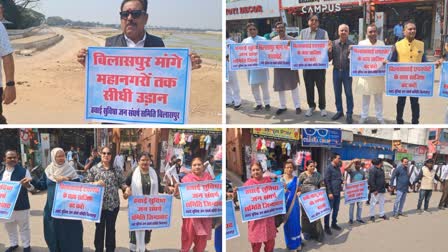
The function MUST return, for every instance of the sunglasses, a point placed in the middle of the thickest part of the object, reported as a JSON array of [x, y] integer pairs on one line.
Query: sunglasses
[[134, 13], [106, 153]]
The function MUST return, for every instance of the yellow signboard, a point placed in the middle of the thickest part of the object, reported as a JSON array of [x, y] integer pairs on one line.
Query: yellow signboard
[[293, 134]]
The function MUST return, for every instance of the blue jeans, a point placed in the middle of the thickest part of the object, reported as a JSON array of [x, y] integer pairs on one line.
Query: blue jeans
[[342, 78], [334, 204], [399, 202], [358, 211], [426, 194]]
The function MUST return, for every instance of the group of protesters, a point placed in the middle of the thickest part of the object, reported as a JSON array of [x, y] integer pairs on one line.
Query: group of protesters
[[67, 235], [297, 224], [408, 49]]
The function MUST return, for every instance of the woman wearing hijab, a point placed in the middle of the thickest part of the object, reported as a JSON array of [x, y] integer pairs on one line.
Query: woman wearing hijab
[[60, 235], [142, 181], [105, 175]]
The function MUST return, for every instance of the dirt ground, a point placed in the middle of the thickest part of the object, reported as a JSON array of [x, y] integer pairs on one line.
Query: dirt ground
[[51, 86]]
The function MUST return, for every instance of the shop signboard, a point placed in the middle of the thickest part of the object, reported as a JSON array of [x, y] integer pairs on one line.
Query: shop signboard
[[312, 137], [250, 9], [293, 134]]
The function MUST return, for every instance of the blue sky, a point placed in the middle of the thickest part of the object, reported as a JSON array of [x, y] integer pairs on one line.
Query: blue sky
[[179, 13]]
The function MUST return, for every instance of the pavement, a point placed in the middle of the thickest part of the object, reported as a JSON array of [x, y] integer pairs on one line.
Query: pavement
[[162, 240], [432, 110], [416, 232]]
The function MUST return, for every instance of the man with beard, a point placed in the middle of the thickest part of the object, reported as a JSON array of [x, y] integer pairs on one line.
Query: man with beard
[[134, 16], [20, 216]]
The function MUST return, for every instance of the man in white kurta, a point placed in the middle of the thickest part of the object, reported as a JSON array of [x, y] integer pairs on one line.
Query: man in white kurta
[[371, 86], [232, 85], [257, 78]]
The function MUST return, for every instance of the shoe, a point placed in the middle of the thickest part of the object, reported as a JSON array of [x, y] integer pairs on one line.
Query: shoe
[[361, 221], [280, 111], [403, 215], [323, 113], [337, 116], [336, 227], [298, 111], [349, 119], [12, 248], [441, 208], [384, 217], [267, 107], [309, 112], [372, 219], [328, 231], [380, 121], [350, 222], [419, 211], [362, 120], [426, 211], [396, 216], [27, 249], [237, 107], [229, 105], [258, 108]]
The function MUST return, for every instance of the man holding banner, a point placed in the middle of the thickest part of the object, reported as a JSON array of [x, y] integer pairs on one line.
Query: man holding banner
[[371, 86], [356, 175], [402, 184], [339, 53], [20, 216], [258, 78], [315, 76], [286, 79], [409, 49], [134, 16]]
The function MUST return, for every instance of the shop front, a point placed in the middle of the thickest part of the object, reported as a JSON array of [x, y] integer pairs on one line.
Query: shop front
[[427, 14], [331, 15], [264, 13], [185, 144]]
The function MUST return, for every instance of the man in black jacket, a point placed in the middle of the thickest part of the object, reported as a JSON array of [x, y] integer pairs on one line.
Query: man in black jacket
[[134, 16], [333, 183], [377, 186]]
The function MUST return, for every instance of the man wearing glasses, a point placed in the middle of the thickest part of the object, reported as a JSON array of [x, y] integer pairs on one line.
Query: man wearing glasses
[[134, 16], [314, 76]]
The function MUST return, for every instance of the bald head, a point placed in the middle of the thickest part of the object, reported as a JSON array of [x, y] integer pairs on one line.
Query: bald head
[[343, 32]]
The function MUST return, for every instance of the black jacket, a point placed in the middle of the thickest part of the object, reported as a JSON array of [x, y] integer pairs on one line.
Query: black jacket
[[377, 180], [120, 41]]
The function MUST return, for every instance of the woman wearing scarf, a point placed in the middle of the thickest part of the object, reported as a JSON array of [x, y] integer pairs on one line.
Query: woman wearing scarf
[[142, 181], [196, 230], [311, 180], [291, 228], [60, 235], [105, 175]]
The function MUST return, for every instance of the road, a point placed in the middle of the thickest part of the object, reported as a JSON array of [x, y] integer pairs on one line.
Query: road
[[432, 110], [425, 232], [162, 240], [51, 86]]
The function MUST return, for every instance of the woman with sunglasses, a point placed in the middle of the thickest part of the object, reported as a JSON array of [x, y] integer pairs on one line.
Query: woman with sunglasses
[[60, 234], [142, 181], [106, 175]]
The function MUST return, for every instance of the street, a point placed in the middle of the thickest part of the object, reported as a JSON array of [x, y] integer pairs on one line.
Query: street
[[432, 110], [425, 232], [51, 84], [163, 240]]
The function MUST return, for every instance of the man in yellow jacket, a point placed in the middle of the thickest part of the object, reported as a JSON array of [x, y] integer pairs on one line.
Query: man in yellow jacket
[[411, 50]]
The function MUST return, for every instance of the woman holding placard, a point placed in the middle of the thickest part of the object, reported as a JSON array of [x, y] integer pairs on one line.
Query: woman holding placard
[[142, 181], [262, 230], [311, 180], [196, 230], [291, 227], [106, 175], [60, 234]]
